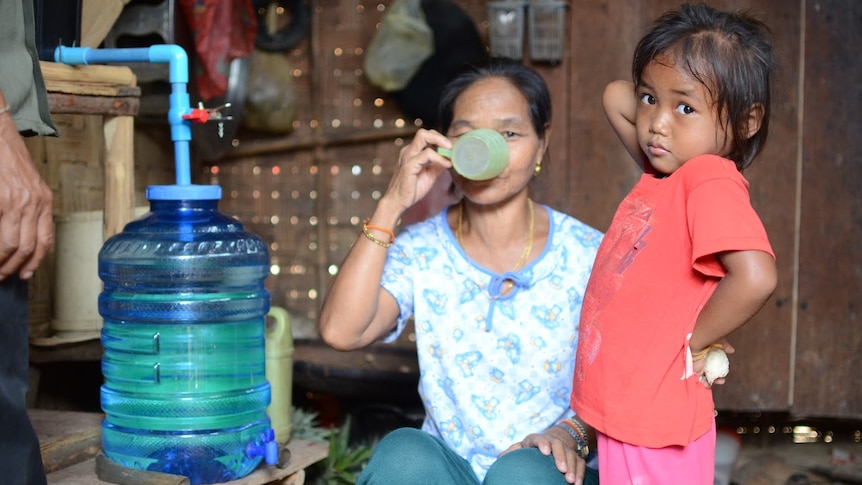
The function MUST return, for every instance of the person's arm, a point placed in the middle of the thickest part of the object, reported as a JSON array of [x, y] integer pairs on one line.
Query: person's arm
[[357, 311], [26, 201], [750, 280], [619, 101]]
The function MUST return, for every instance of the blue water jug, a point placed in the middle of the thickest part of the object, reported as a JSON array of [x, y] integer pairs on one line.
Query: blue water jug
[[184, 307]]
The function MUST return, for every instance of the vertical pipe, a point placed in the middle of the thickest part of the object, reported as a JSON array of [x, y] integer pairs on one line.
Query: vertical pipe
[[181, 132]]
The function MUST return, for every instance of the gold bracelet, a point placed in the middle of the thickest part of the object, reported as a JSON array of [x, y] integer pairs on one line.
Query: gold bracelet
[[373, 238], [696, 356]]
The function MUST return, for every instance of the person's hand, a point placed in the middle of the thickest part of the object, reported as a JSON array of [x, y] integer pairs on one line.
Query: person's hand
[[555, 441], [26, 222], [698, 367], [419, 166]]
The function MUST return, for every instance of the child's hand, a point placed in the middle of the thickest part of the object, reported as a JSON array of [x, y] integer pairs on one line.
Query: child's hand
[[699, 366]]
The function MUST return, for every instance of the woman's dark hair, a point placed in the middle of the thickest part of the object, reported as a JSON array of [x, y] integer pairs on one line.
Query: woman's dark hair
[[525, 79], [731, 54]]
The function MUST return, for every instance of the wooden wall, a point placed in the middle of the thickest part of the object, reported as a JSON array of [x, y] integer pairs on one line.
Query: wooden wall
[[307, 190], [829, 276]]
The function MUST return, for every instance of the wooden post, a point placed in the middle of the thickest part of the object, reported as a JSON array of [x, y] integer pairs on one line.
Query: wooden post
[[119, 173]]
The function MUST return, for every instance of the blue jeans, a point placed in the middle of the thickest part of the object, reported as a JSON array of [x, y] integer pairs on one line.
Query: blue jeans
[[20, 458], [409, 456]]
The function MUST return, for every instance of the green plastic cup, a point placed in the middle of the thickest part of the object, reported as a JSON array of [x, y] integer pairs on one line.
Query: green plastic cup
[[479, 154]]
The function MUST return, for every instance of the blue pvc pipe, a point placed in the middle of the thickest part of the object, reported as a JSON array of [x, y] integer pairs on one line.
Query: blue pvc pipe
[[171, 54], [178, 75], [181, 131]]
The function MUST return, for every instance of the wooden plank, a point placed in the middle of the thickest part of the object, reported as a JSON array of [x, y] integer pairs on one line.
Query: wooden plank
[[66, 437], [83, 473], [603, 39], [74, 163], [110, 471], [119, 173], [302, 454], [828, 356], [262, 147], [61, 348], [297, 478], [79, 88], [97, 18], [61, 103], [82, 79], [761, 370]]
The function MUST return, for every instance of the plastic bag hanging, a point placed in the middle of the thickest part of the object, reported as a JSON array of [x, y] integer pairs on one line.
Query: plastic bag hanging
[[209, 20], [398, 49], [270, 103]]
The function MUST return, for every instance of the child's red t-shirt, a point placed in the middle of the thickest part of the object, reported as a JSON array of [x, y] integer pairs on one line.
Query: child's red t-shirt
[[655, 270]]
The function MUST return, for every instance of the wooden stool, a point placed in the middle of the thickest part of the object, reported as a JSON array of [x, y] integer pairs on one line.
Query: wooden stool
[[112, 92]]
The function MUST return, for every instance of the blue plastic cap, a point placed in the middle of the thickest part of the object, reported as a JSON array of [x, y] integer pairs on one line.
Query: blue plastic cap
[[184, 192]]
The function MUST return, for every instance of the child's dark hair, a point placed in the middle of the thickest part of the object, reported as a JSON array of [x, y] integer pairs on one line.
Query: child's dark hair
[[731, 54]]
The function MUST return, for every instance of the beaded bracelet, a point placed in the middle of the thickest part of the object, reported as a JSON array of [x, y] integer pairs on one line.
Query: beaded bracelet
[[577, 431], [696, 356], [373, 238], [577, 427]]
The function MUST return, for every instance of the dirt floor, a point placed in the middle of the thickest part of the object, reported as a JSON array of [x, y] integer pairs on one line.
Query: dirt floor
[[776, 451], [798, 464]]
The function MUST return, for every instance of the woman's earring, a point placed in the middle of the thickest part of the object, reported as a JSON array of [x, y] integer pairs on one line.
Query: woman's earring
[[537, 169]]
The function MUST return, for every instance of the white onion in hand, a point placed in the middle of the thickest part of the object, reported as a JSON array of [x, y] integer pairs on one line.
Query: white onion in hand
[[716, 365]]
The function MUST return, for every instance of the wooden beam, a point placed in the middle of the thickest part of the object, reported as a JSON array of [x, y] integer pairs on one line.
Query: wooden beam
[[66, 437], [287, 144], [85, 79], [61, 103]]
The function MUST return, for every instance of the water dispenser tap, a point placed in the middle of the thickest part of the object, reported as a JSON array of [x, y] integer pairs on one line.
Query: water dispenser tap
[[266, 447], [202, 115]]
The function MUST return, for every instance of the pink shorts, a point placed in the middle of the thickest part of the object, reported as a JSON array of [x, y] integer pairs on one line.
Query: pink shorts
[[622, 464]]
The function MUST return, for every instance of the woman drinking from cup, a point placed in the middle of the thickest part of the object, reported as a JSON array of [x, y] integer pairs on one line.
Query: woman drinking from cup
[[494, 285]]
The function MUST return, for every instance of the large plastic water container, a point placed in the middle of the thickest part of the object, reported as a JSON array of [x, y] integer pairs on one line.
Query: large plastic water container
[[184, 305]]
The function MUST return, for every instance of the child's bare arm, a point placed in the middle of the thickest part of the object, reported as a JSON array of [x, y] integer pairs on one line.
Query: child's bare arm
[[750, 280], [620, 103]]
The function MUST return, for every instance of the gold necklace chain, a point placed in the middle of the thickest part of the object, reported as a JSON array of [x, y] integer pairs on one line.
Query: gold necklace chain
[[527, 250]]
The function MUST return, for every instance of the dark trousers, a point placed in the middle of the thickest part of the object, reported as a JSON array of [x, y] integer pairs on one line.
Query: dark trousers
[[20, 459], [409, 456]]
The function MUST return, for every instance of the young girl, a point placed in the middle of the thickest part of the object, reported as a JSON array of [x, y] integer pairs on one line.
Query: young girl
[[686, 261]]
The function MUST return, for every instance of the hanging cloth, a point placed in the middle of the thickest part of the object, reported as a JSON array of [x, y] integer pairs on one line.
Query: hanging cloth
[[223, 30]]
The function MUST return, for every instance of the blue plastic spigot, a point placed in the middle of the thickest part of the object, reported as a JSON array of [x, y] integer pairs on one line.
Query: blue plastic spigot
[[266, 447]]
